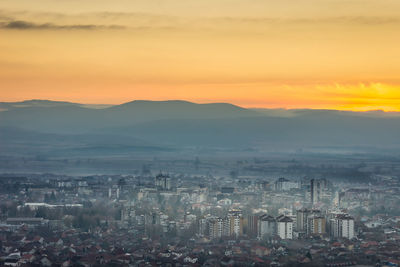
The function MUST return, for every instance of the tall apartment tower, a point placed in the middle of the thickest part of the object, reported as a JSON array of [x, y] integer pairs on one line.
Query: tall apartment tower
[[215, 229], [319, 190], [266, 226], [302, 216], [316, 225], [317, 187], [342, 226], [284, 227], [252, 225], [235, 221], [315, 193], [163, 182]]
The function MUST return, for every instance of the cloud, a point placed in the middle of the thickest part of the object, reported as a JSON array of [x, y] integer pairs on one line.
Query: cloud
[[367, 20], [26, 20], [53, 20], [26, 25], [363, 20]]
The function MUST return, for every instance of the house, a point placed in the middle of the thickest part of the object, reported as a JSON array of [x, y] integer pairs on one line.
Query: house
[[260, 251]]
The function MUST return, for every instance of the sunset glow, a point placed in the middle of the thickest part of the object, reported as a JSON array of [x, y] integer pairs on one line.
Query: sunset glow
[[309, 54]]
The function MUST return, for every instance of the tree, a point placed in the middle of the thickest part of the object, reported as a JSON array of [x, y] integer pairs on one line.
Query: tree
[[41, 212], [53, 198]]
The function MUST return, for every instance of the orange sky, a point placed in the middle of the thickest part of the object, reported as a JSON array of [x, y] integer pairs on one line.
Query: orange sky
[[258, 53]]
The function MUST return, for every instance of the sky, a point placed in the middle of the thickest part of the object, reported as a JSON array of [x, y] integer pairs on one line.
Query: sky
[[333, 54]]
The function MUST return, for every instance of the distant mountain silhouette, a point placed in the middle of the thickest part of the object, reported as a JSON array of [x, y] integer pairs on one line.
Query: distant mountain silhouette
[[50, 127], [65, 117]]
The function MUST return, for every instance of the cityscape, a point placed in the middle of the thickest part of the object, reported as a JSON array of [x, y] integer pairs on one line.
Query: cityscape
[[171, 219], [200, 133]]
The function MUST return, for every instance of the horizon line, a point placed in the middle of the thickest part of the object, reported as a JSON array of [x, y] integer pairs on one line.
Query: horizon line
[[202, 103]]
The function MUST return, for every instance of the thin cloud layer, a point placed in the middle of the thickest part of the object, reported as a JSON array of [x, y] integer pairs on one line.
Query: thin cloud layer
[[25, 25], [26, 20]]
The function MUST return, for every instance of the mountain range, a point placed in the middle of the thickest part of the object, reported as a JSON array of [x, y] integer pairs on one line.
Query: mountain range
[[51, 128]]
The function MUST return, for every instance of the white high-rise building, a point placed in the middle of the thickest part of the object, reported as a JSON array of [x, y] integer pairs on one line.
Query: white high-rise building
[[202, 227], [215, 229], [348, 228], [284, 227], [342, 226]]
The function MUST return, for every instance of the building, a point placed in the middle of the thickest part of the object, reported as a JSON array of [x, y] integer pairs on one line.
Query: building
[[215, 228], [319, 190], [226, 227], [266, 226], [342, 226], [283, 184], [316, 225], [230, 226], [227, 190], [301, 221], [202, 224], [235, 225], [27, 221], [315, 191], [252, 225], [163, 182], [284, 227], [235, 221]]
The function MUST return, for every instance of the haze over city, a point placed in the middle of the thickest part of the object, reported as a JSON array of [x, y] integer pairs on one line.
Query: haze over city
[[188, 133]]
